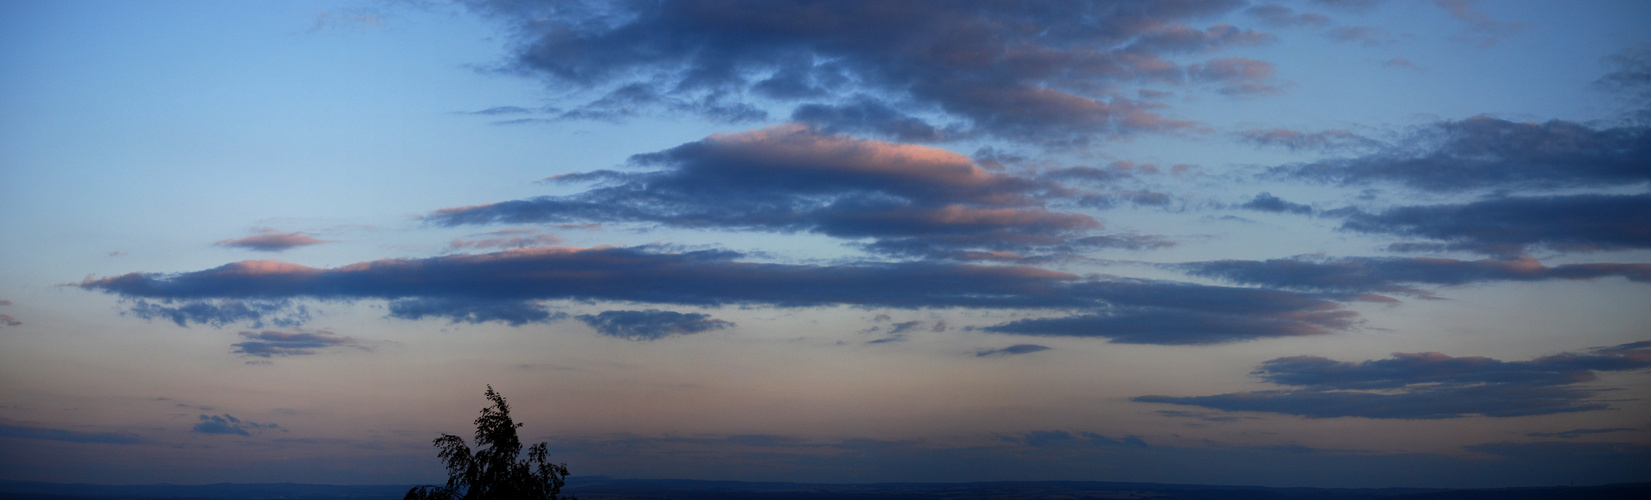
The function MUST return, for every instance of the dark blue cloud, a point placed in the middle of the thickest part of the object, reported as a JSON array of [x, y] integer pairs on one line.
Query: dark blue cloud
[[1428, 385], [1576, 433], [911, 200], [473, 310], [1011, 350], [1398, 275], [651, 324], [1484, 152], [67, 436], [1047, 72], [1508, 226], [1279, 16], [269, 343], [228, 424], [1266, 202], [1123, 310], [280, 312]]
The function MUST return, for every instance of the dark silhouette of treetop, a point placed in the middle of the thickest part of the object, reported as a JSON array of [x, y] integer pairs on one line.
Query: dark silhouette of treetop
[[495, 471]]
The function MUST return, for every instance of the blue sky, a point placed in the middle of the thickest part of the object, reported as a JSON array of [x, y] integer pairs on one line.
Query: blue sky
[[1319, 243]]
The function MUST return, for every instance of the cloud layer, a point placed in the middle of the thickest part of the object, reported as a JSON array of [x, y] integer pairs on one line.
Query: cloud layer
[[1428, 385], [456, 286], [1047, 72]]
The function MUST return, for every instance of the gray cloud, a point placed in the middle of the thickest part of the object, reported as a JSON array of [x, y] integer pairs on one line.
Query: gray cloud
[[651, 324], [1428, 385], [267, 343], [270, 240]]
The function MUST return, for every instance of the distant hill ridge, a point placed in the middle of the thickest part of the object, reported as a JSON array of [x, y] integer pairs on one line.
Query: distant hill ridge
[[602, 488]]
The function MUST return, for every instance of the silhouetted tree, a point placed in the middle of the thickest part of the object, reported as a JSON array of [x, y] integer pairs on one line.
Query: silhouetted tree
[[495, 471]]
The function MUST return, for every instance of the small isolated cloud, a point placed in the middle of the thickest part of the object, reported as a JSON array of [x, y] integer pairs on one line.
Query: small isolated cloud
[[268, 343], [270, 240], [228, 424], [651, 324], [1402, 63], [1266, 202], [1011, 350], [1368, 36], [1428, 385]]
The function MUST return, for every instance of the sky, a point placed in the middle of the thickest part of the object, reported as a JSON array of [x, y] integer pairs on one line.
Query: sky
[[1335, 243]]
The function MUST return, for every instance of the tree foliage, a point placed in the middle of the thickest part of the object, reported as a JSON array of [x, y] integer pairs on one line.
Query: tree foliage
[[496, 470]]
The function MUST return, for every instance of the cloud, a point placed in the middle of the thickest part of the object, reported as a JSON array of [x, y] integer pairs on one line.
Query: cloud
[[1011, 350], [473, 310], [1063, 439], [1575, 433], [1508, 226], [1033, 72], [228, 424], [7, 319], [1279, 16], [1402, 63], [1140, 311], [1428, 385], [909, 199], [1631, 77], [1399, 275], [865, 115], [1327, 140], [267, 343], [651, 324], [1488, 31], [1266, 202], [1368, 36], [1484, 152], [506, 238], [67, 436], [279, 312], [269, 240]]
